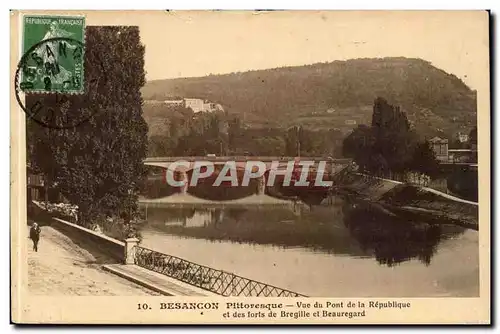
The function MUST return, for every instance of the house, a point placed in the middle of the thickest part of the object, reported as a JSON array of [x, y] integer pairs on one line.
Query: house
[[440, 147], [462, 155], [38, 190], [211, 107], [462, 137], [199, 105], [196, 105], [174, 102]]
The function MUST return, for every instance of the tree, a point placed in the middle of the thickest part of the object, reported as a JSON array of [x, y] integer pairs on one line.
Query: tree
[[375, 163], [385, 146], [456, 143], [39, 147], [359, 145], [473, 136], [234, 132], [159, 146], [298, 141], [395, 140], [270, 146], [424, 159], [98, 165]]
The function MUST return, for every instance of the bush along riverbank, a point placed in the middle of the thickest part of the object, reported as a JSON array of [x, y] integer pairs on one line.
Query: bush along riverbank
[[408, 202], [113, 227]]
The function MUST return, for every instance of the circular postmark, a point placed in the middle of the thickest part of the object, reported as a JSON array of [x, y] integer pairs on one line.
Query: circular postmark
[[60, 108]]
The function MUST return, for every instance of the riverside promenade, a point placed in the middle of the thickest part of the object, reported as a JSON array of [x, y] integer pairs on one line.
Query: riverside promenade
[[73, 265], [63, 266]]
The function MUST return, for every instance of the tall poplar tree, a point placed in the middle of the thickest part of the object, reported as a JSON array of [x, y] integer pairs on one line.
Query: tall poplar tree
[[97, 164]]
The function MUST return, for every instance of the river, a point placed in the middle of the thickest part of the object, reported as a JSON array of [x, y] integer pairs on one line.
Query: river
[[335, 250]]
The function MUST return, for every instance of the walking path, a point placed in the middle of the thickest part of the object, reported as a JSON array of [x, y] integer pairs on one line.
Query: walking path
[[63, 267], [434, 191], [155, 281], [453, 198]]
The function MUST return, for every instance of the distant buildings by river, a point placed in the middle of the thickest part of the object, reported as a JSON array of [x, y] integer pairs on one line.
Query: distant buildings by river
[[450, 155], [196, 104]]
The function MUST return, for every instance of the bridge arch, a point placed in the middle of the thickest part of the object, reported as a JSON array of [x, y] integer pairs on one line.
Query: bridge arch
[[225, 191]]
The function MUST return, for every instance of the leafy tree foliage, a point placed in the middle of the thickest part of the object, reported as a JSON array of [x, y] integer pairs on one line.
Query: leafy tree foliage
[[224, 133], [390, 144], [357, 144], [473, 136], [294, 138], [424, 159], [395, 141], [98, 164]]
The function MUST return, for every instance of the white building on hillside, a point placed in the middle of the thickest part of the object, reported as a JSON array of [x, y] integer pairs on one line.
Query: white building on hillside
[[196, 105], [211, 107], [174, 102]]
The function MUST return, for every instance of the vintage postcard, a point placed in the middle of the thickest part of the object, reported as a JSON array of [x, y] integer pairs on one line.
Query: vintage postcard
[[241, 167]]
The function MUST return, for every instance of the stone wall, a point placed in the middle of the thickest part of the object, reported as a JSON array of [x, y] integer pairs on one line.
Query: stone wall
[[369, 187], [111, 247]]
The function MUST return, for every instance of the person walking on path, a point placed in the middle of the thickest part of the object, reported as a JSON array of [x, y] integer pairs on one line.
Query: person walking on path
[[35, 235]]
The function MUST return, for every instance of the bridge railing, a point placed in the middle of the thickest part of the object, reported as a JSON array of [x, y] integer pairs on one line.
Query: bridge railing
[[243, 158], [213, 280]]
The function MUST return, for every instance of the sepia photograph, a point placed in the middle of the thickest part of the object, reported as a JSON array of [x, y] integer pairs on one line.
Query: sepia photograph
[[285, 155]]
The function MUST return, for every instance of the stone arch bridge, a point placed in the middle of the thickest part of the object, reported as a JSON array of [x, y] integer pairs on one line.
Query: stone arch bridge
[[332, 166]]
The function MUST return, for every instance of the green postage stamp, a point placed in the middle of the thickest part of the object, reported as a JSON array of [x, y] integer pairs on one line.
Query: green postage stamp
[[53, 54]]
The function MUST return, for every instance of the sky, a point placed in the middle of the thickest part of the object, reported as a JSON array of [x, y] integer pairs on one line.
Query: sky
[[190, 43]]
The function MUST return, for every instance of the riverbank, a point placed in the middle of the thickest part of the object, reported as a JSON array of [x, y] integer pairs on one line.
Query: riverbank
[[411, 202], [180, 200], [66, 266]]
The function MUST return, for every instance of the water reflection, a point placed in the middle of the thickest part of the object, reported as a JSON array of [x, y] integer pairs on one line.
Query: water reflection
[[393, 240], [157, 187], [343, 228]]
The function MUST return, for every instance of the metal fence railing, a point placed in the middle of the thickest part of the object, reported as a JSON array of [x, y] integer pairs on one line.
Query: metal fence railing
[[213, 280]]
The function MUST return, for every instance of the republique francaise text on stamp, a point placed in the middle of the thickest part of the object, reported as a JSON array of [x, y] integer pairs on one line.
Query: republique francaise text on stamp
[[52, 69], [55, 66]]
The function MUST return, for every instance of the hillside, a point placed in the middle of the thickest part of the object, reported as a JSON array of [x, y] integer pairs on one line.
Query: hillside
[[339, 94]]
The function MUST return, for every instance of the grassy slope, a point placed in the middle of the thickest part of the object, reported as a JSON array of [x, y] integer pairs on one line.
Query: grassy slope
[[285, 96], [412, 201], [405, 195]]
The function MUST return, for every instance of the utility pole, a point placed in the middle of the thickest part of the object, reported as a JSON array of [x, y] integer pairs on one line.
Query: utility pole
[[48, 176], [298, 141]]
